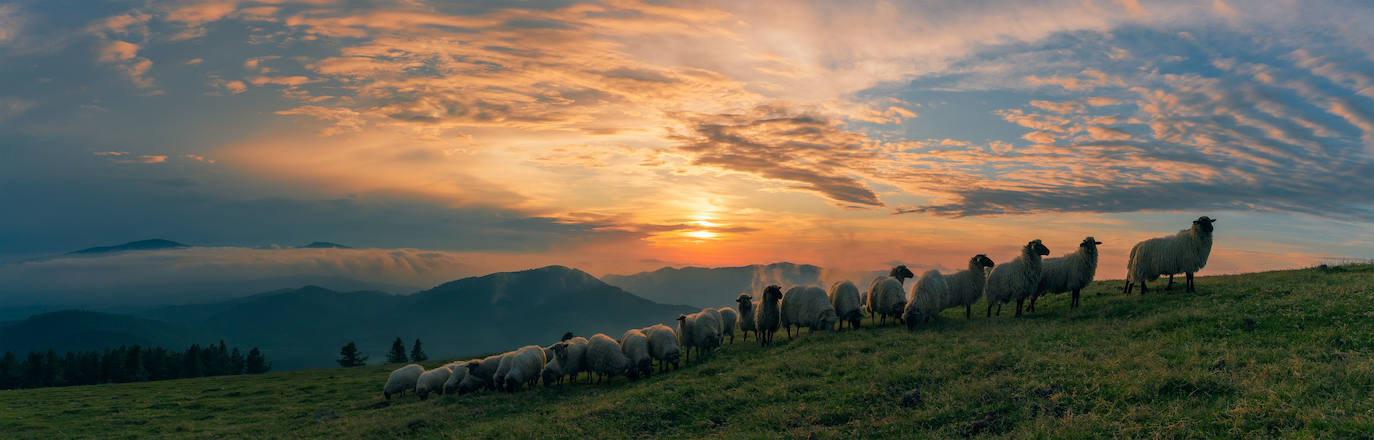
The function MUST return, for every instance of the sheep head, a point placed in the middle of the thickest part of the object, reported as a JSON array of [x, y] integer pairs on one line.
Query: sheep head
[[745, 302], [901, 273], [1204, 223], [1037, 247], [1089, 245], [982, 260], [772, 293]]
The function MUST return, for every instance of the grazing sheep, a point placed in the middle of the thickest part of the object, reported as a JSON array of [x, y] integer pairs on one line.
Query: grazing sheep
[[570, 358], [728, 319], [844, 297], [1185, 252], [746, 316], [966, 286], [458, 373], [485, 370], [768, 316], [552, 373], [929, 296], [1018, 279], [604, 358], [635, 344], [663, 345], [886, 297], [402, 379], [498, 379], [1070, 273], [699, 330], [524, 368], [807, 307], [432, 381]]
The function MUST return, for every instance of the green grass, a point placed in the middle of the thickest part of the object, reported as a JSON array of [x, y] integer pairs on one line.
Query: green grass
[[1282, 354]]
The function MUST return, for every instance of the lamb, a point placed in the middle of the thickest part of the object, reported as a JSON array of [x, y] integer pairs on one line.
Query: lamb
[[699, 330], [1018, 279], [746, 316], [604, 357], [1070, 273], [929, 296], [402, 379], [524, 367], [728, 319], [807, 307], [571, 355], [966, 286], [458, 374], [1185, 252], [635, 344], [844, 297], [663, 345], [432, 381], [886, 297], [768, 316]]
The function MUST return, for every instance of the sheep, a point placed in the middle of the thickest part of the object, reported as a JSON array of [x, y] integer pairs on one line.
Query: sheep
[[699, 330], [844, 297], [523, 367], [1185, 252], [768, 315], [402, 379], [885, 295], [432, 381], [747, 323], [458, 374], [966, 286], [498, 379], [663, 345], [719, 321], [929, 295], [635, 344], [728, 319], [1018, 279], [807, 307], [485, 370], [553, 372], [570, 356], [1070, 273], [604, 358]]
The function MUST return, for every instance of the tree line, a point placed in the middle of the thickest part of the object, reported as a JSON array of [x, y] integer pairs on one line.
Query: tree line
[[350, 356], [127, 364]]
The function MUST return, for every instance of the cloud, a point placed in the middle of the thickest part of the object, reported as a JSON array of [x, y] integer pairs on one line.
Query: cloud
[[11, 107], [198, 158]]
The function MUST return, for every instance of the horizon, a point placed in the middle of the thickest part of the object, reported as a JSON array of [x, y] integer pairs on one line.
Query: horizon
[[453, 140]]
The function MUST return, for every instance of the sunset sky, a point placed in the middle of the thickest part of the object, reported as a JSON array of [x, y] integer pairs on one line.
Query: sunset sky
[[449, 139]]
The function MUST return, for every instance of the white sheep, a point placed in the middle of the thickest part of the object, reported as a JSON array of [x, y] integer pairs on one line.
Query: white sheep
[[1185, 252], [719, 321], [458, 373], [552, 373], [929, 296], [604, 357], [635, 345], [663, 345], [699, 330], [729, 318], [747, 323], [886, 296], [768, 316], [845, 298], [966, 286], [1070, 273], [807, 307], [570, 358], [432, 381], [524, 368], [485, 370], [498, 379], [402, 379], [1018, 279]]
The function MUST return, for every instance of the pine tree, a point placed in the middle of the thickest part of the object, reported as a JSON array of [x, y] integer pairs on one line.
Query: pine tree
[[349, 356], [417, 354], [397, 355], [235, 362], [255, 363]]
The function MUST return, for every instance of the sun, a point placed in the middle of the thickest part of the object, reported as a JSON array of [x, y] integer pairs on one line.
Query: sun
[[702, 234]]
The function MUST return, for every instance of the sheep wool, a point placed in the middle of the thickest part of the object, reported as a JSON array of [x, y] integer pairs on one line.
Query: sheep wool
[[746, 316], [807, 307], [635, 345], [966, 286], [432, 381], [485, 370], [498, 378], [524, 367], [604, 357], [768, 317], [458, 372], [663, 345], [729, 318], [552, 373], [844, 297], [1185, 252], [570, 359], [1018, 279], [1070, 273], [402, 379], [886, 299], [719, 320], [929, 296]]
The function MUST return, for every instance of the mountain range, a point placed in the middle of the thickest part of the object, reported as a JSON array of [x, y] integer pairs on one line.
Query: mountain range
[[714, 286]]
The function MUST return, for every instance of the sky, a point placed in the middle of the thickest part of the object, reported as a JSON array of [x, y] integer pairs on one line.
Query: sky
[[448, 139]]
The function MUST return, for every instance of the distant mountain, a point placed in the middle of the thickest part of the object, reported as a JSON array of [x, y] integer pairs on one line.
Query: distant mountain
[[323, 245], [158, 293], [72, 330], [715, 286], [141, 245], [304, 328]]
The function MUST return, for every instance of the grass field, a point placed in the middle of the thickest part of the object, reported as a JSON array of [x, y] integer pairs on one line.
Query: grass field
[[1283, 354]]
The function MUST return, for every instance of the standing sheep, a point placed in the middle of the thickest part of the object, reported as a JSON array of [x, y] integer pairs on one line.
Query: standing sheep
[[635, 344], [571, 355], [663, 345], [768, 317], [604, 358], [1185, 252], [966, 286], [807, 307], [1070, 273], [929, 296], [886, 296], [699, 330], [729, 318], [485, 370], [402, 379], [524, 367], [844, 297], [1018, 279], [432, 381], [746, 316], [498, 379]]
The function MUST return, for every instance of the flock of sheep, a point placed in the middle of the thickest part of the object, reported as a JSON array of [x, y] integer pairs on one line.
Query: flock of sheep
[[1028, 276]]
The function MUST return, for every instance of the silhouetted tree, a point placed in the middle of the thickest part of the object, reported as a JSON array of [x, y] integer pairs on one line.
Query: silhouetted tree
[[397, 355], [567, 336], [349, 356], [417, 354], [9, 371], [235, 362], [256, 363]]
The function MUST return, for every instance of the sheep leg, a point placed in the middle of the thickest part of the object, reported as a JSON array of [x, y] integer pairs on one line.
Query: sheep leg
[[968, 311], [999, 309], [1074, 304], [1171, 283], [1018, 307], [1142, 288], [989, 309], [1127, 289], [1191, 288]]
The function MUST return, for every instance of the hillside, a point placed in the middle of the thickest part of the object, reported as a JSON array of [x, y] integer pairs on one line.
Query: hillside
[[1268, 355]]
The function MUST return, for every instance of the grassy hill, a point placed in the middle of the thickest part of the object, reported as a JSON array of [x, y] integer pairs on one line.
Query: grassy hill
[[1269, 355]]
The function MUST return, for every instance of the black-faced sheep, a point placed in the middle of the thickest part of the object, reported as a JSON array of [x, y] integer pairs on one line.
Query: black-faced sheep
[[1185, 252], [1070, 273], [966, 286], [844, 297], [604, 358], [1018, 279], [929, 296], [747, 324], [768, 317], [886, 296], [807, 307], [635, 345]]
